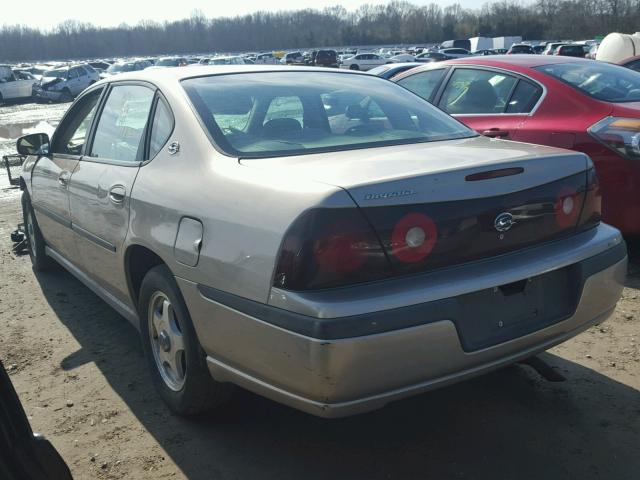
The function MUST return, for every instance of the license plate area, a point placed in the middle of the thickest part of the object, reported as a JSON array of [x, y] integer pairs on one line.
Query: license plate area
[[492, 316]]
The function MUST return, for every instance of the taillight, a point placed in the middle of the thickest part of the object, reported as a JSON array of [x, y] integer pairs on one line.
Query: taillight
[[592, 208], [327, 248], [622, 135]]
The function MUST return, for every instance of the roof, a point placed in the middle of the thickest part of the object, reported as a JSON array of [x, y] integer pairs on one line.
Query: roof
[[529, 61], [176, 74]]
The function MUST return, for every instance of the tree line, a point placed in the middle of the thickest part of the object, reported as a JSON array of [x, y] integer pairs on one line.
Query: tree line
[[398, 22]]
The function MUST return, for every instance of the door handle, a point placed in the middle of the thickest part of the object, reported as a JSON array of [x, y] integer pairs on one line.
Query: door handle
[[117, 194], [495, 133], [63, 179]]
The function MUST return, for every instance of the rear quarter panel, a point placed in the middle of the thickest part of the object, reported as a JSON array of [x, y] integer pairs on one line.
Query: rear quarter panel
[[245, 212]]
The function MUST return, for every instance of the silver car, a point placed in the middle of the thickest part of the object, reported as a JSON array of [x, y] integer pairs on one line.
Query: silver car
[[326, 239]]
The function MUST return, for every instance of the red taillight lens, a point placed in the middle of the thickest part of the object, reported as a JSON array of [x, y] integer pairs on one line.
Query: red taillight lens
[[340, 250], [413, 238], [592, 208], [327, 248]]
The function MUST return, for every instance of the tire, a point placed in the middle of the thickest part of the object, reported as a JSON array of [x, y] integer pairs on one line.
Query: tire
[[177, 362], [1, 100], [354, 67], [35, 241]]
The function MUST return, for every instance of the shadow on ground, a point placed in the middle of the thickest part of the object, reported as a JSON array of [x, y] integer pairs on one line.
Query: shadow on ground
[[505, 425]]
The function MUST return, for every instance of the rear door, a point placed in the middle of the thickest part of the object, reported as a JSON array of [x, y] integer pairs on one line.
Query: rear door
[[51, 175], [492, 102], [100, 188], [79, 80]]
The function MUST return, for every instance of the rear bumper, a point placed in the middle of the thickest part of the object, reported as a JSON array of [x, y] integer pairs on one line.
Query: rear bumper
[[343, 370]]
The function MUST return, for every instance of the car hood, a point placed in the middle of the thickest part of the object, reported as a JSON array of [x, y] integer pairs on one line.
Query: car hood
[[425, 172]]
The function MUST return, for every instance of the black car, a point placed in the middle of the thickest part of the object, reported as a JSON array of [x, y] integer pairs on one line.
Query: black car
[[570, 51], [326, 58], [23, 454]]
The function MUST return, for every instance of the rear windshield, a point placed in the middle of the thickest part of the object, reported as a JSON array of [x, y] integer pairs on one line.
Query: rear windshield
[[289, 113], [121, 67], [521, 48], [600, 80], [572, 49], [56, 74], [170, 62]]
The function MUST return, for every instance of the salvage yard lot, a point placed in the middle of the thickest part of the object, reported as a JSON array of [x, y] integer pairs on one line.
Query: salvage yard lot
[[79, 370]]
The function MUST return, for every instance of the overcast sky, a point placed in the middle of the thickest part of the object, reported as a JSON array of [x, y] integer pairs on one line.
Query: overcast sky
[[45, 14]]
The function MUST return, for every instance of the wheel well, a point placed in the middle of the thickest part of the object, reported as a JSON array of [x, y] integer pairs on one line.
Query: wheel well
[[139, 260]]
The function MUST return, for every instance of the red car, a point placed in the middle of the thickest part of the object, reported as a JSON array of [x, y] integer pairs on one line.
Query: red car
[[584, 105]]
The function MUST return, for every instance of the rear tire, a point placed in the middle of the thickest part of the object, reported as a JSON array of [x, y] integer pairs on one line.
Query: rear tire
[[35, 241], [177, 361]]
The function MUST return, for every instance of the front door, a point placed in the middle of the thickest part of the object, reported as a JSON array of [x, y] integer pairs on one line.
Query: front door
[[51, 174], [100, 187]]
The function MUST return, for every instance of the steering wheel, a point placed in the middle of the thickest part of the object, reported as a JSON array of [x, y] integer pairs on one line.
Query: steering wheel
[[363, 128]]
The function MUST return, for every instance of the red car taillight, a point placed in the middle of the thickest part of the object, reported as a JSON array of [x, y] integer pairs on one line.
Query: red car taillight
[[622, 135], [328, 248]]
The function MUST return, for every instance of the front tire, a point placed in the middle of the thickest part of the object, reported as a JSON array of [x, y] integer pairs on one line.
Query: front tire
[[176, 359], [354, 67], [35, 241], [66, 96]]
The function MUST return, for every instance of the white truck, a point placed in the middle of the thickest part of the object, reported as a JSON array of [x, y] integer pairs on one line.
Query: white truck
[[15, 84]]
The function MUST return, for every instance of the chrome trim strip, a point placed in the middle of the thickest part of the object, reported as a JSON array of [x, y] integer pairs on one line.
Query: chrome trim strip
[[93, 238], [119, 306], [52, 215]]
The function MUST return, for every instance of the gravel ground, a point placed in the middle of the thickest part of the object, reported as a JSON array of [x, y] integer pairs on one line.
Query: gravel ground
[[78, 368]]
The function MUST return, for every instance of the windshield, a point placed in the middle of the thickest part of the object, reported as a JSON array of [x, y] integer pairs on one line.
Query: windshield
[[167, 62], [602, 81], [56, 74], [121, 67], [290, 113]]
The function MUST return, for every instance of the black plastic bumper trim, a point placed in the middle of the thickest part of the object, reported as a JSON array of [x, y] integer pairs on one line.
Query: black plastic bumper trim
[[385, 320]]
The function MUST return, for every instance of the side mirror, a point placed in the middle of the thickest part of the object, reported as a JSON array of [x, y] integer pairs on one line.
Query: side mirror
[[34, 144]]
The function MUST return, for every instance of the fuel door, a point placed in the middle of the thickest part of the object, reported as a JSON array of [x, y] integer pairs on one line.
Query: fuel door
[[188, 242]]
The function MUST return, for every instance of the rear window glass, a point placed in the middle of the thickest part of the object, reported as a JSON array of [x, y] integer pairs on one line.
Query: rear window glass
[[572, 49], [602, 81], [290, 113]]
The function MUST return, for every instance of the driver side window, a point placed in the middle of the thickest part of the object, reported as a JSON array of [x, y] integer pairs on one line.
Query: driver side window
[[72, 136]]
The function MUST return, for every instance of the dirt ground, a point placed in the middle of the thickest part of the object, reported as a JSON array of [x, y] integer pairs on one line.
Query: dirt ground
[[79, 371]]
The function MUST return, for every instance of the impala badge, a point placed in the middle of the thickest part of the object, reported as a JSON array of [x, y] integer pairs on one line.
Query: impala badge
[[504, 222]]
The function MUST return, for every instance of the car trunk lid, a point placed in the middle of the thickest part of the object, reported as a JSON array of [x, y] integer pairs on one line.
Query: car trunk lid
[[437, 205]]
